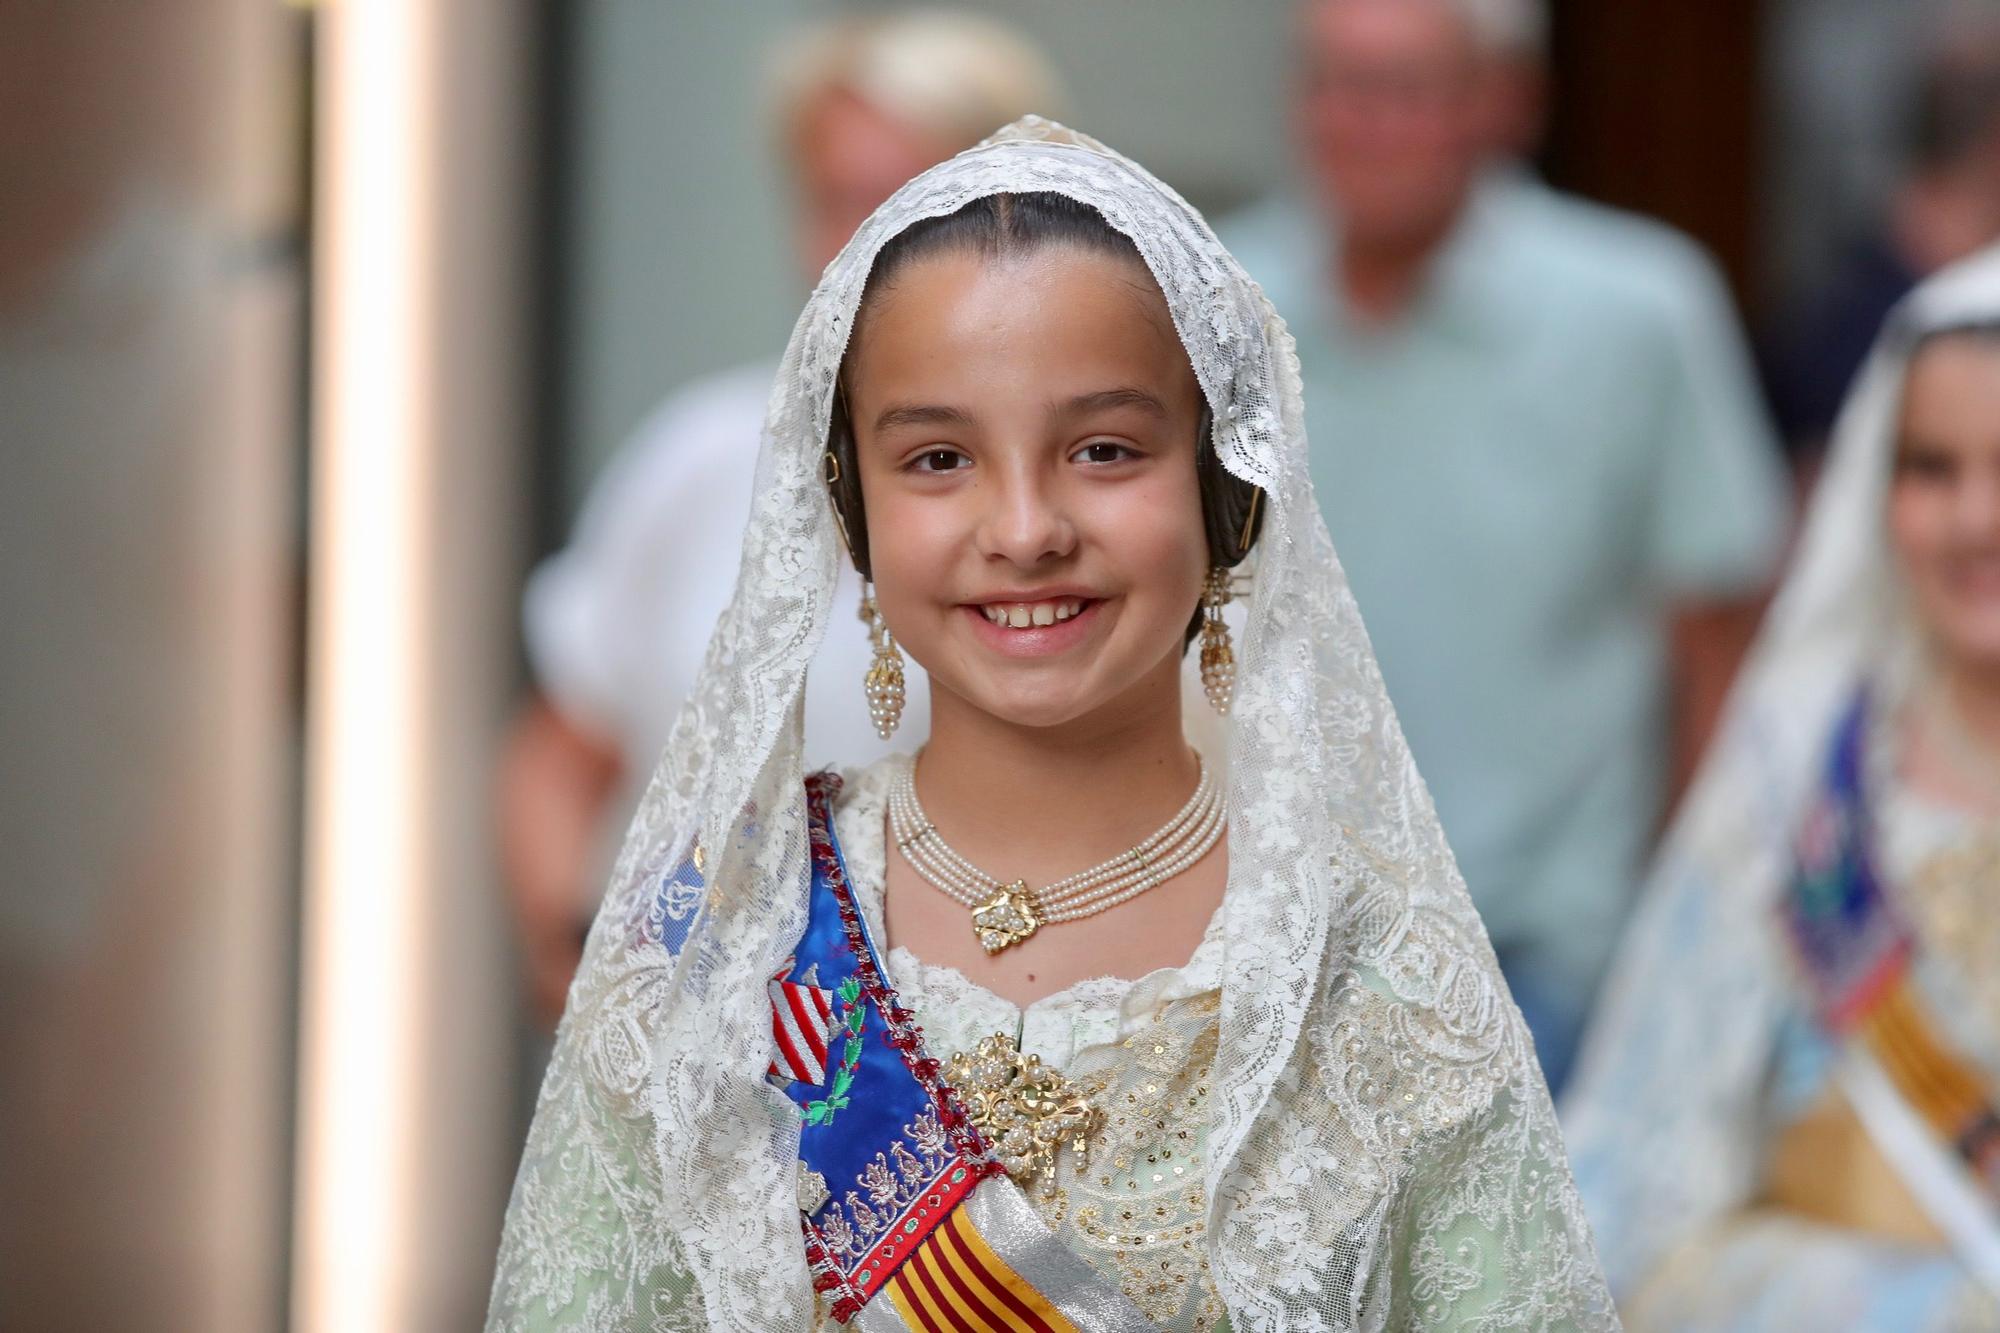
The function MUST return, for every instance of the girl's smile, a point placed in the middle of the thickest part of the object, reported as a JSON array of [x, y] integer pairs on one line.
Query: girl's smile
[[1040, 628]]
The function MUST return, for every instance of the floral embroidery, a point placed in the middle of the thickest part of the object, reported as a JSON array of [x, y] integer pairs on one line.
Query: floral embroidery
[[905, 1192], [849, 1017], [887, 1185]]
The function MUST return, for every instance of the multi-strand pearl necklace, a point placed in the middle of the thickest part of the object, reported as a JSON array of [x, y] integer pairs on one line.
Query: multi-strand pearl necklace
[[1953, 736], [1004, 914]]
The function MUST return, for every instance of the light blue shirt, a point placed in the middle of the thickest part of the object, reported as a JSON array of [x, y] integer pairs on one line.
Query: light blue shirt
[[1558, 441]]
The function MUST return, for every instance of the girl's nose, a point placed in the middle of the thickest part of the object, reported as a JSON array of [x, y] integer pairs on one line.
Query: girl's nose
[[1026, 522]]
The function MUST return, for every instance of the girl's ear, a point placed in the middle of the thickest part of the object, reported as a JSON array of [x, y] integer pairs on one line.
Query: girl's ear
[[843, 481], [1232, 509]]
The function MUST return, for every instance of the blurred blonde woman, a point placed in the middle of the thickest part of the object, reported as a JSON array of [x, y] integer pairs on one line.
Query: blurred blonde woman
[[1786, 1117], [616, 621]]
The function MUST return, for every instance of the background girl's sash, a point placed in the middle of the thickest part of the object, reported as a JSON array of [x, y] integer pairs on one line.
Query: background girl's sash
[[1929, 1110], [899, 1195]]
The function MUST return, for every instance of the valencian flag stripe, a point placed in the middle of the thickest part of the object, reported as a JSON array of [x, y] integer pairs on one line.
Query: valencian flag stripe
[[957, 1283], [801, 1021]]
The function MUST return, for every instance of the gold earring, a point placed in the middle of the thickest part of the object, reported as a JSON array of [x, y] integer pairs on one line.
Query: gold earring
[[1218, 657], [884, 681]]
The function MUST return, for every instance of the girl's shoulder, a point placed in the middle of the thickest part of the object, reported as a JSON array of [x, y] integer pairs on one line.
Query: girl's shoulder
[[1430, 1062], [865, 784]]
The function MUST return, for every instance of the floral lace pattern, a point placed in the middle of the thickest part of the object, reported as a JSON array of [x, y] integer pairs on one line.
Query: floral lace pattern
[[1349, 1193]]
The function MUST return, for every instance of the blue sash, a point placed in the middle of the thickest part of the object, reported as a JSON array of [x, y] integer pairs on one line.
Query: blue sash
[[1853, 943], [885, 1150], [900, 1196]]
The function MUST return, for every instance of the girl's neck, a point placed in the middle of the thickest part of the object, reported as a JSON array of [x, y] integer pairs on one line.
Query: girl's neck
[[1956, 754], [1974, 695], [1074, 793]]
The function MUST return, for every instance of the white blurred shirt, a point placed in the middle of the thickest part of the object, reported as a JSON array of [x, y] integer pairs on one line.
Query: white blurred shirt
[[618, 621]]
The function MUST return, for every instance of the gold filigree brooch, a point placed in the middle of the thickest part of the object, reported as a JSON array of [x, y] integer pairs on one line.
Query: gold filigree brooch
[[1026, 1111]]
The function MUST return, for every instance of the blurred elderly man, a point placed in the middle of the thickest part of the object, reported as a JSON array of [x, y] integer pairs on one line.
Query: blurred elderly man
[[1539, 449], [617, 622]]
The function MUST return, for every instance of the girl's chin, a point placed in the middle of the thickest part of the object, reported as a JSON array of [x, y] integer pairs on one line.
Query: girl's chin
[[1039, 711], [1036, 698], [1973, 652], [1060, 696]]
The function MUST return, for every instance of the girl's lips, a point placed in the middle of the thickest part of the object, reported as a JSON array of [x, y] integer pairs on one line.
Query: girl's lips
[[1974, 578], [1036, 640]]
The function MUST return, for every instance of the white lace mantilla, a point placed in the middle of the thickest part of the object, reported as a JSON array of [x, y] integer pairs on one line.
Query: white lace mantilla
[[1378, 1149], [1668, 1111]]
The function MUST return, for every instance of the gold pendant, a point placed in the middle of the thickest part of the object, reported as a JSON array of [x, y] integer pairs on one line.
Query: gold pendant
[[1025, 1111], [1005, 919]]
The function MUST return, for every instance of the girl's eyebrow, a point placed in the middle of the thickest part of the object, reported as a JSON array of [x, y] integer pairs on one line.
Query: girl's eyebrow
[[1100, 400], [923, 414], [1106, 399]]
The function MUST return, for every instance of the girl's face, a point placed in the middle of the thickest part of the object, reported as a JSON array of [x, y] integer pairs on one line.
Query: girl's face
[[1944, 501], [1025, 429]]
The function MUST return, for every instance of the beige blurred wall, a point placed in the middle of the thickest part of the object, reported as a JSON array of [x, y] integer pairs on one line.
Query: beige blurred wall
[[149, 305]]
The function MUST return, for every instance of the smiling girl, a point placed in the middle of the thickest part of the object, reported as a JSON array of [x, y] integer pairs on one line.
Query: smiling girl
[[1025, 427], [1788, 1115], [1062, 1023]]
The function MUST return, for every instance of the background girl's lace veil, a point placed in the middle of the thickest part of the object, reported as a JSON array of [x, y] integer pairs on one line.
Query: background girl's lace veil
[[1663, 1117], [1381, 1149]]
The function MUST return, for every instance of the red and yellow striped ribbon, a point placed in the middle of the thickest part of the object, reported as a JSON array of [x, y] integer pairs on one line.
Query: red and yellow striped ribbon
[[956, 1283], [1929, 1075]]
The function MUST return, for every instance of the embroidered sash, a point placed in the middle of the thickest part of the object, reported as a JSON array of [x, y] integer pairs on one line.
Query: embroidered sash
[[899, 1195], [1856, 949]]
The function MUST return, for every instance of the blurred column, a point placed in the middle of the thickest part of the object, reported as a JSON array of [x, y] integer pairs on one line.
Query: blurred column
[[149, 331], [404, 1094]]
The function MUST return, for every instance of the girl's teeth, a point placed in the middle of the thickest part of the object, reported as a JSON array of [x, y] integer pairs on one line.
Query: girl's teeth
[[1041, 613]]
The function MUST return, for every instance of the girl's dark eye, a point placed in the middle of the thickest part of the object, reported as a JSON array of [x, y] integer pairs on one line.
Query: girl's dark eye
[[1102, 451], [939, 460], [1924, 465]]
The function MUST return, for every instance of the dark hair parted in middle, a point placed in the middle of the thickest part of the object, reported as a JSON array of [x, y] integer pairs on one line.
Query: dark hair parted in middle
[[998, 225]]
